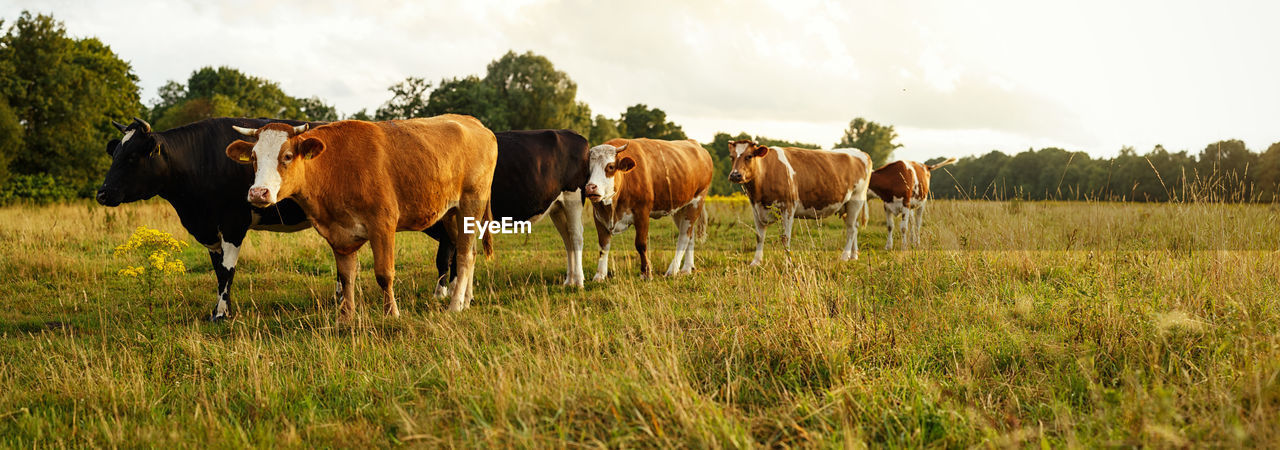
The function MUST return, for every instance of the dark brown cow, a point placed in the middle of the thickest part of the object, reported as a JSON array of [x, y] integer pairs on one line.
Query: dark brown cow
[[788, 182], [633, 180], [903, 186], [363, 181]]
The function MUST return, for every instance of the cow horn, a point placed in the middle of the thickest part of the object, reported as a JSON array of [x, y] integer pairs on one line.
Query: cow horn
[[119, 126], [299, 129], [144, 124], [620, 149], [245, 131]]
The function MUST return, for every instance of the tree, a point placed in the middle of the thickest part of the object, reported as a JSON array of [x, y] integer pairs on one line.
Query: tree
[[1223, 170], [471, 96], [408, 99], [536, 94], [63, 93], [1267, 180], [602, 130], [640, 121], [225, 91], [873, 138]]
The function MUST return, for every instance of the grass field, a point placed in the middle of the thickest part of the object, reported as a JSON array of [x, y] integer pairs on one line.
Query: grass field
[[1066, 324]]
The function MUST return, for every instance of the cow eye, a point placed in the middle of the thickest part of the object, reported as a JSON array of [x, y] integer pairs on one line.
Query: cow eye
[[608, 167], [288, 157]]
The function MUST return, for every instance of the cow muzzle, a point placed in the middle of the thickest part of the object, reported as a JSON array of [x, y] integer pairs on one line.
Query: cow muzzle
[[593, 192], [259, 196], [735, 176], [108, 197]]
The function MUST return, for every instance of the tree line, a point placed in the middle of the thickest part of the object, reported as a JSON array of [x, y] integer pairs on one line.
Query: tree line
[[58, 95]]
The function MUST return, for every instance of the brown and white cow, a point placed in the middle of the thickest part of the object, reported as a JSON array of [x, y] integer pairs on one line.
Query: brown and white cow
[[903, 186], [633, 180], [788, 182], [363, 181]]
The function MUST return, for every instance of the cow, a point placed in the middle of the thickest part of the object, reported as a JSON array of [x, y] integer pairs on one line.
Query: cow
[[786, 183], [539, 173], [187, 167], [903, 186], [364, 181], [633, 180]]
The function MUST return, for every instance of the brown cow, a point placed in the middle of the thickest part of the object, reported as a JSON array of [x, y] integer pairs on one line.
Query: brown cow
[[633, 180], [363, 181], [903, 186], [810, 184]]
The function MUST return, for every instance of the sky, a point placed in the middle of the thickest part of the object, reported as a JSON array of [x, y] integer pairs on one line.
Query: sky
[[954, 78]]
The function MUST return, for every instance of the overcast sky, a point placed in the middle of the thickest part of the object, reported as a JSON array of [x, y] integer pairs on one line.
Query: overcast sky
[[954, 77]]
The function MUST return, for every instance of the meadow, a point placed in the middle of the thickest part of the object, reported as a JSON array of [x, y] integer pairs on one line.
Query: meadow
[[1017, 324]]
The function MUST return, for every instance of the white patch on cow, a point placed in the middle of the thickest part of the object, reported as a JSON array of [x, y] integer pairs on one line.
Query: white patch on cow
[[230, 253], [127, 135], [739, 149], [782, 158], [602, 264], [623, 222], [267, 152], [597, 158]]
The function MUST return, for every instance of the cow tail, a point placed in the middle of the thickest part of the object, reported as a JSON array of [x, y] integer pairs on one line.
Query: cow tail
[[487, 240]]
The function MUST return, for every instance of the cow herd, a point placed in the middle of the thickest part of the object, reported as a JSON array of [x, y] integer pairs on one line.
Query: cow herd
[[360, 182]]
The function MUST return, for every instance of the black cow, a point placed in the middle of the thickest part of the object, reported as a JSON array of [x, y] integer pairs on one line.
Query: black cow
[[188, 166], [539, 173]]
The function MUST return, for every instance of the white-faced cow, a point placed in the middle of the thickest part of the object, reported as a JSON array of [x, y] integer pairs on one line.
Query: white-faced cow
[[363, 181], [539, 173], [188, 167], [903, 186], [789, 182], [633, 180]]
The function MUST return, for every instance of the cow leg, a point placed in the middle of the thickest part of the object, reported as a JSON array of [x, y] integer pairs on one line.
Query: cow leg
[[605, 237], [888, 217], [683, 226], [852, 211], [384, 267], [642, 243], [760, 214], [566, 214], [694, 216], [446, 266], [788, 217], [347, 263], [224, 256], [461, 296], [906, 228]]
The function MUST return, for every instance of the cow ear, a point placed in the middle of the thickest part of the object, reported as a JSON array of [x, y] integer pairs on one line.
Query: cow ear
[[241, 152], [111, 147], [761, 151], [625, 164], [310, 148]]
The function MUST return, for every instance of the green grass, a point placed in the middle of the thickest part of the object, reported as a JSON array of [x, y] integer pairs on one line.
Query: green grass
[[1066, 324]]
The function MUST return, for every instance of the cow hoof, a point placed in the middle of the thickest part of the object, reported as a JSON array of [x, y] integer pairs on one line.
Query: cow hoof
[[847, 256], [599, 277], [670, 273], [442, 291], [755, 263], [646, 276], [685, 271], [215, 318]]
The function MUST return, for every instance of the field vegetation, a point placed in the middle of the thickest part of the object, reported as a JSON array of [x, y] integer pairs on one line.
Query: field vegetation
[[1019, 323]]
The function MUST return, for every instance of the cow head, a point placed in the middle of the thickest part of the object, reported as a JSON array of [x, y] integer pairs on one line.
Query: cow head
[[278, 155], [138, 165], [607, 164], [746, 160]]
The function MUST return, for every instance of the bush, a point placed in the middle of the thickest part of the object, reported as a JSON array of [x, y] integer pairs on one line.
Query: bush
[[40, 189]]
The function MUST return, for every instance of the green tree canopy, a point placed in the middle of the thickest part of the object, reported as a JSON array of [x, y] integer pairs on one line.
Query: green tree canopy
[[602, 130], [640, 121], [518, 91], [873, 138], [225, 91], [63, 93]]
